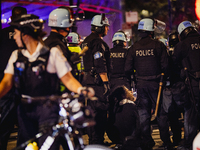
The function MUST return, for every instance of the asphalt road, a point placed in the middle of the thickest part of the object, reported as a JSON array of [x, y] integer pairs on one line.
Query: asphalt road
[[155, 134]]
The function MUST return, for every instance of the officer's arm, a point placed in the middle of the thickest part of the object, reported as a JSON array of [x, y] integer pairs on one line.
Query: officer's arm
[[70, 82], [129, 66], [6, 84], [164, 59]]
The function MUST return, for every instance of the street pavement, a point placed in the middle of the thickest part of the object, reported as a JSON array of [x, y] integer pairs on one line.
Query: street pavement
[[155, 135]]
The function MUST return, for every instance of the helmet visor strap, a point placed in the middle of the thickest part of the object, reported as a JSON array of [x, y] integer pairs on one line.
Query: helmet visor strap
[[66, 30]]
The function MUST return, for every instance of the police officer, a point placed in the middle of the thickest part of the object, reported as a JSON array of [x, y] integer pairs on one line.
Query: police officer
[[61, 20], [35, 71], [118, 56], [149, 58], [186, 55], [8, 102], [96, 65], [172, 96], [73, 40]]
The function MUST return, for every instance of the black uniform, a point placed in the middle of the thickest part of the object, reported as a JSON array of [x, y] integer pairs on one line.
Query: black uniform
[[58, 40], [117, 74], [7, 103], [123, 122], [187, 55], [149, 58], [38, 115], [96, 60], [174, 94]]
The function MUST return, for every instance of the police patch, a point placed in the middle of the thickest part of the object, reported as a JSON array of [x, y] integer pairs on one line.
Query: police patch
[[97, 55]]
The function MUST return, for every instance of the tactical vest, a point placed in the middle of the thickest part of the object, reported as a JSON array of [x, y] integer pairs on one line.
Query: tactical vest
[[76, 49], [88, 57], [54, 40], [147, 60], [192, 60], [32, 78], [118, 57]]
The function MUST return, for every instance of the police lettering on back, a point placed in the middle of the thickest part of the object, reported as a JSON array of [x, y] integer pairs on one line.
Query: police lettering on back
[[148, 52], [195, 46], [117, 55]]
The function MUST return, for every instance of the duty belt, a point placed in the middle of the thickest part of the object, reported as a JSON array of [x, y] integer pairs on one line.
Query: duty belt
[[148, 77]]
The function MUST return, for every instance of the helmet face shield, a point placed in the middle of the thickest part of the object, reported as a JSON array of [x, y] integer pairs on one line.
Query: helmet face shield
[[104, 20], [148, 24], [159, 26]]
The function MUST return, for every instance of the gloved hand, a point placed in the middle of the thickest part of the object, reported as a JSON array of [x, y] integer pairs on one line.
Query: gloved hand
[[75, 58], [106, 89], [87, 91]]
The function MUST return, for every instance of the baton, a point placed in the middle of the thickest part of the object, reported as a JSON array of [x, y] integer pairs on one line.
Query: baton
[[81, 53], [153, 117]]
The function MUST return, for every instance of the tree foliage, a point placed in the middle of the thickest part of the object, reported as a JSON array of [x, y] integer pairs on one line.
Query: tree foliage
[[178, 11]]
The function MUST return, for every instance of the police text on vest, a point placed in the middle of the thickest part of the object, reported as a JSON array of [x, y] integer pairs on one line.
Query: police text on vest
[[195, 46], [148, 52], [117, 55]]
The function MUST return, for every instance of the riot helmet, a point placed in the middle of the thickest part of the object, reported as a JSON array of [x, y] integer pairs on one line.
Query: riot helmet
[[146, 24], [149, 25], [61, 17], [119, 38], [73, 38], [146, 27], [99, 22], [184, 28], [29, 24]]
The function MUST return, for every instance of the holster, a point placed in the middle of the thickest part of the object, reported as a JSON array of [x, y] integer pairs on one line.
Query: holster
[[97, 79]]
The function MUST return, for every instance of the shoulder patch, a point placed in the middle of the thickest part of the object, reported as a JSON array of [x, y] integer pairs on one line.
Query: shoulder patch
[[98, 55]]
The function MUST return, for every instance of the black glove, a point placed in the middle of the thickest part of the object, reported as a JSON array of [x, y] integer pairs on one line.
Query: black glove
[[106, 89], [75, 58]]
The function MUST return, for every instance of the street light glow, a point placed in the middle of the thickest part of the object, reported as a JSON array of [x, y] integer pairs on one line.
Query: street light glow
[[197, 8]]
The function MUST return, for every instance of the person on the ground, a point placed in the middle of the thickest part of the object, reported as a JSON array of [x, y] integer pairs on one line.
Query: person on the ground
[[123, 126]]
